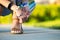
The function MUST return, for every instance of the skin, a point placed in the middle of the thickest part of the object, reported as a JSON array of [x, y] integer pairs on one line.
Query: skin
[[17, 21]]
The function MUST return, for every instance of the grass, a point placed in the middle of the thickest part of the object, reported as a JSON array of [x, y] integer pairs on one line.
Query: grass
[[55, 24], [6, 19]]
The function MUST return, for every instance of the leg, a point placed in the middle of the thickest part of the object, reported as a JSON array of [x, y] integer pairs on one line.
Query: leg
[[16, 26]]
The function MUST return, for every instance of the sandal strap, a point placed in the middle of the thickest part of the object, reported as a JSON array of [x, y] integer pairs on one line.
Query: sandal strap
[[14, 29], [15, 19]]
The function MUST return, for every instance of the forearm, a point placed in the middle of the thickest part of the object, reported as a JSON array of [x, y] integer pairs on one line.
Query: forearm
[[5, 3]]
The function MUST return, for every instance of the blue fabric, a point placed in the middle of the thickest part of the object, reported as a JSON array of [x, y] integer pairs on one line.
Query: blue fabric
[[24, 4], [18, 2], [5, 12], [32, 6]]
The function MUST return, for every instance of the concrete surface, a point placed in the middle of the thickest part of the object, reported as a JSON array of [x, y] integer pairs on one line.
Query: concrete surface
[[30, 33]]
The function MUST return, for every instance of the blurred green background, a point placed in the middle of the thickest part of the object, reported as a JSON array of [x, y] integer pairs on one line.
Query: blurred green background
[[47, 16]]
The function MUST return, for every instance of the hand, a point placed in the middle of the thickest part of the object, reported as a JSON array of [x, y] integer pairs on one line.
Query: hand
[[16, 9], [24, 16], [18, 12]]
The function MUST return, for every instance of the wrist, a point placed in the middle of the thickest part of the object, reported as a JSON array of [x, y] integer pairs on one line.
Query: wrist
[[15, 8]]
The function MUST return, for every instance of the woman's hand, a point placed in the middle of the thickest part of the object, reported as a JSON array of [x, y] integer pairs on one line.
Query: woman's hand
[[16, 9], [25, 15]]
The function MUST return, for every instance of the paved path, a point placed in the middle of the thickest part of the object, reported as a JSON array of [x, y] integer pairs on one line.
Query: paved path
[[30, 34]]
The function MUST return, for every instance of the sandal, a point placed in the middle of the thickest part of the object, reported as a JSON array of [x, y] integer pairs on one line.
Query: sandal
[[17, 30]]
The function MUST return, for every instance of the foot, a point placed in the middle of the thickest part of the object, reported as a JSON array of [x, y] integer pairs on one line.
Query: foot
[[17, 30]]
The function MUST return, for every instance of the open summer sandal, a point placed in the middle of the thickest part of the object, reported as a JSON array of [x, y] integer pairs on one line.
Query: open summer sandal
[[17, 30]]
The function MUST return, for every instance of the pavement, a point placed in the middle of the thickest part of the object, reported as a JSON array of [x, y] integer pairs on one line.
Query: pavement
[[30, 33]]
